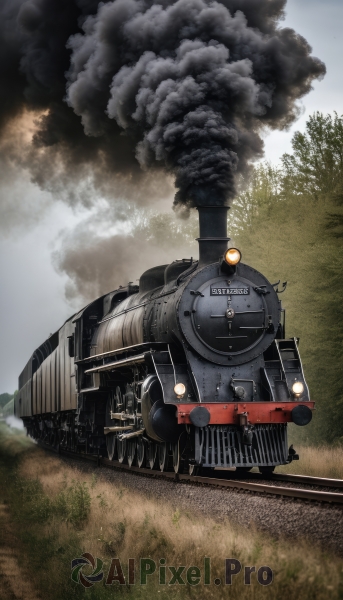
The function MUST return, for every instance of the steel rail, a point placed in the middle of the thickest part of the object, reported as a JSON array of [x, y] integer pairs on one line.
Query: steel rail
[[285, 477], [233, 483], [303, 479], [314, 495]]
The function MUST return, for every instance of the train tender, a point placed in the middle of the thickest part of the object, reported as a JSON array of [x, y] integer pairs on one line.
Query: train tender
[[191, 368]]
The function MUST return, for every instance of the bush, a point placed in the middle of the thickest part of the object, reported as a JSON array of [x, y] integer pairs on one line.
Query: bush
[[74, 504]]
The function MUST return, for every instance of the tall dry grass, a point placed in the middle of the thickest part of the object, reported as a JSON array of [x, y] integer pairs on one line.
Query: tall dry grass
[[318, 461], [120, 523]]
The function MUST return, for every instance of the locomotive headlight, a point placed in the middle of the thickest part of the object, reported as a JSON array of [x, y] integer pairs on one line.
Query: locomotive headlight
[[180, 390], [297, 388], [232, 256]]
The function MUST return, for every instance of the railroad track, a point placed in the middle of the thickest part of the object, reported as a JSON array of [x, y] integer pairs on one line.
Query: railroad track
[[251, 482], [297, 479]]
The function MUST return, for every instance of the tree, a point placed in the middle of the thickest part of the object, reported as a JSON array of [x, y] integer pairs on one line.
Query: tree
[[291, 229], [316, 166], [4, 398]]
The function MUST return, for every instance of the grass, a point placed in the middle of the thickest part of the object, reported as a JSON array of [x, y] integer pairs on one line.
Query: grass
[[58, 513], [318, 461]]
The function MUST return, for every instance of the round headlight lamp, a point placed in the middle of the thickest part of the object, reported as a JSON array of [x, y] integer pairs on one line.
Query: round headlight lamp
[[232, 256], [297, 388], [180, 390]]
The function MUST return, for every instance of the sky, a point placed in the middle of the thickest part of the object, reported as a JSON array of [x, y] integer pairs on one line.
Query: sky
[[321, 24], [32, 298]]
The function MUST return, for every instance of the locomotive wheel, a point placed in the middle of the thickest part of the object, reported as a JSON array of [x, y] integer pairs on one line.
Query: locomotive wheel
[[131, 451], [194, 469], [177, 461], [45, 435], [110, 445], [35, 431], [152, 455], [62, 438], [162, 454], [118, 400], [121, 450], [179, 464], [53, 438], [72, 438], [140, 452], [110, 437], [69, 440]]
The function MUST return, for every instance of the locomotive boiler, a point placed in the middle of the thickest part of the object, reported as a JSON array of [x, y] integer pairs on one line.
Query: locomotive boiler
[[189, 369]]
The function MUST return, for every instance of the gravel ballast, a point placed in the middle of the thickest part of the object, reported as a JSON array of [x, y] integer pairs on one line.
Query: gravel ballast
[[317, 522]]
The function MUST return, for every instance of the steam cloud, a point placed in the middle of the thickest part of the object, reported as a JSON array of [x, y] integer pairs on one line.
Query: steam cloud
[[108, 262], [129, 89], [98, 266]]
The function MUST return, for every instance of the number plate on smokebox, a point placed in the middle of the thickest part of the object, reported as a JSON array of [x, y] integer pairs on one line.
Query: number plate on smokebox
[[219, 291]]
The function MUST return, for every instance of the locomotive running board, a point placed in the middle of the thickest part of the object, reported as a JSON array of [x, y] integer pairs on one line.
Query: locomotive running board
[[145, 346], [125, 362]]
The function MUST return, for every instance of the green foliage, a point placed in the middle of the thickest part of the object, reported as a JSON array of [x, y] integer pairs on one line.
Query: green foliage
[[102, 502], [32, 504], [176, 518], [117, 535], [316, 166], [8, 409], [30, 501], [256, 200], [120, 528], [5, 398], [74, 503]]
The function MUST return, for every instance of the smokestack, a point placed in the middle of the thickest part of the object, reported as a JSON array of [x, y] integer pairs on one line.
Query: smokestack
[[213, 233]]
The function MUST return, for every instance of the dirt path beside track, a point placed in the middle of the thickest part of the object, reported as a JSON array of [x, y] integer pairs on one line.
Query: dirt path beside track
[[15, 584]]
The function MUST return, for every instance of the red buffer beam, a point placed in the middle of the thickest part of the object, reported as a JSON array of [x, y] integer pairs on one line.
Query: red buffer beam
[[232, 412]]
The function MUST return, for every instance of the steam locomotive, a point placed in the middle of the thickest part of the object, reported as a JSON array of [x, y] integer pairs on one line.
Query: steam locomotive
[[189, 369]]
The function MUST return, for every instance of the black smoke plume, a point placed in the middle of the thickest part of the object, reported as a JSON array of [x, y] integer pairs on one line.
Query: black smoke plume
[[128, 90]]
